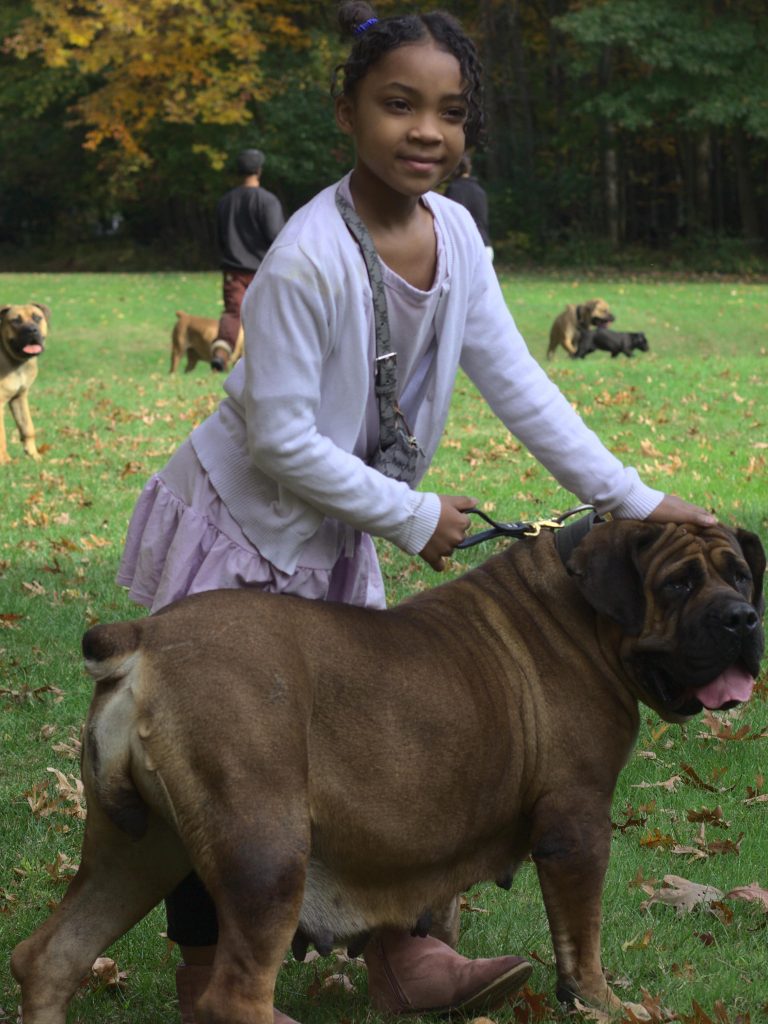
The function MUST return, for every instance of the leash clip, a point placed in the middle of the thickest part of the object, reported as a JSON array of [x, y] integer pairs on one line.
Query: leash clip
[[535, 528]]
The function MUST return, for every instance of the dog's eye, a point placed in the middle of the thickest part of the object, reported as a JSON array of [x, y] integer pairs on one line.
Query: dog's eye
[[36, 317], [677, 588], [741, 581]]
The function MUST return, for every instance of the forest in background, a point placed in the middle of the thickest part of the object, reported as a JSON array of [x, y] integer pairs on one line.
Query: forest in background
[[616, 129]]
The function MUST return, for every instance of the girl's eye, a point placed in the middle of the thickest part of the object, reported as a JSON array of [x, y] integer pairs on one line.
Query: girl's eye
[[456, 114], [397, 105]]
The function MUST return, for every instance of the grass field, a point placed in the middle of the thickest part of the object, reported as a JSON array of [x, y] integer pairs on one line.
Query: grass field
[[690, 414]]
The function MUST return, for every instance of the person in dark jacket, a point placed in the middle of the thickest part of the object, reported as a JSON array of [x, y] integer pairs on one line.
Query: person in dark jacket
[[467, 190], [248, 219]]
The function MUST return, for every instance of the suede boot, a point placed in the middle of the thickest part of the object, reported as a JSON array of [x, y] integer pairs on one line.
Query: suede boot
[[191, 982], [408, 974]]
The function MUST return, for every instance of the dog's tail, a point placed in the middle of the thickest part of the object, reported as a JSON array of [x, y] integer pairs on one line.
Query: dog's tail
[[107, 647], [112, 655]]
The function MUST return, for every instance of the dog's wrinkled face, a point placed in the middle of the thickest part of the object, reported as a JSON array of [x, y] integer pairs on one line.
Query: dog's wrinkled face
[[595, 313], [689, 601], [23, 330]]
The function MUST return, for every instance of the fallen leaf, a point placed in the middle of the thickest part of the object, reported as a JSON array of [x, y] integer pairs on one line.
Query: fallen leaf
[[639, 942], [683, 895], [105, 974], [694, 779], [713, 816], [752, 892], [649, 449], [70, 789], [339, 981], [670, 784], [657, 838], [590, 1013], [34, 588]]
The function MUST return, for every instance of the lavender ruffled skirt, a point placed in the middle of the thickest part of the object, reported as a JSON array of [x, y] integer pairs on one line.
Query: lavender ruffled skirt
[[182, 540]]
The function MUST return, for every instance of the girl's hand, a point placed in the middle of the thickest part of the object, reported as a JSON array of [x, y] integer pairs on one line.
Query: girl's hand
[[451, 529], [672, 509]]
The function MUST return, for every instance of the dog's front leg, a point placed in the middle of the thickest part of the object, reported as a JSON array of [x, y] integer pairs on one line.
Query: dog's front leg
[[571, 842], [4, 456], [20, 410]]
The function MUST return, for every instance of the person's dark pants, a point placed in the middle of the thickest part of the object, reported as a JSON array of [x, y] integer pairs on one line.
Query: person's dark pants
[[191, 914], [233, 290]]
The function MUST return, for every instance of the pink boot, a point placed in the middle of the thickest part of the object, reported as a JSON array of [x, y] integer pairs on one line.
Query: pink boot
[[191, 982], [409, 974]]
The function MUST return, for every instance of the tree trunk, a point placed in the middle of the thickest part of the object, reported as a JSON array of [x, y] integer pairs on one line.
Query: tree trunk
[[750, 220], [703, 157], [611, 172]]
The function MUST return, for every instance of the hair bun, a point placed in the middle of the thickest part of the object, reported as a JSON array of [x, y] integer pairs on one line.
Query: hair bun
[[352, 13]]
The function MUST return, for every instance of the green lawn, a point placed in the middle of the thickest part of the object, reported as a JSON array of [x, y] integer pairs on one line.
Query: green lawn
[[689, 414]]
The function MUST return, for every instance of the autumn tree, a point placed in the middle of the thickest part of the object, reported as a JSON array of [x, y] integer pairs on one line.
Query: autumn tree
[[153, 63]]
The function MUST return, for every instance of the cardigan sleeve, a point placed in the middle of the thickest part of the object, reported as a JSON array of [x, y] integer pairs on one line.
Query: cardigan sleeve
[[496, 358]]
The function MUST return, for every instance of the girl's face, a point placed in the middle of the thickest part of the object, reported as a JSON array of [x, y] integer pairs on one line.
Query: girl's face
[[407, 118]]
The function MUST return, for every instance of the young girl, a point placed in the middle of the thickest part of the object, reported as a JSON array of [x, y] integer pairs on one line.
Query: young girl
[[275, 489]]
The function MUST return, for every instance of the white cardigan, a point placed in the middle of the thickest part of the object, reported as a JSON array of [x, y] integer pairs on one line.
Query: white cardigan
[[279, 448]]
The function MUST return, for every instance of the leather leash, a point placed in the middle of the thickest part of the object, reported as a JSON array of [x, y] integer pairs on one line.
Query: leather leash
[[566, 536]]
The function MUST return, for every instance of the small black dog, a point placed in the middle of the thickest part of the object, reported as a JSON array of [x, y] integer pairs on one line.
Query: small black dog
[[609, 341]]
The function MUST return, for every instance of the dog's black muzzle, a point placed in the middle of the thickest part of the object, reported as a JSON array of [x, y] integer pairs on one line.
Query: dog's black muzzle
[[725, 640], [26, 336]]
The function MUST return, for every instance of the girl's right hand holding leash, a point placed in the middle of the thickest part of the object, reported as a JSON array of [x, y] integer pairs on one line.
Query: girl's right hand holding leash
[[451, 529]]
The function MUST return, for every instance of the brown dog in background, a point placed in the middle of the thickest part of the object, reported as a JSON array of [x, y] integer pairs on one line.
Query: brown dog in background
[[23, 330], [197, 336], [574, 319]]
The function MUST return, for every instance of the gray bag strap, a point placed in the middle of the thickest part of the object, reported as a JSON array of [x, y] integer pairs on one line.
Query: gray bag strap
[[385, 371]]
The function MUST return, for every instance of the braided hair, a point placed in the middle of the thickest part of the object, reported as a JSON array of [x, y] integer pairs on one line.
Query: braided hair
[[372, 39]]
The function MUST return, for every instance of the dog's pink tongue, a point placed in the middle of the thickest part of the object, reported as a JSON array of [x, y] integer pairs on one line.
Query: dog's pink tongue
[[33, 350], [733, 685]]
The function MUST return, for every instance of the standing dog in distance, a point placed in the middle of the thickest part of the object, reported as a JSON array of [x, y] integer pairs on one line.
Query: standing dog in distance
[[23, 330], [614, 342], [574, 319], [197, 337]]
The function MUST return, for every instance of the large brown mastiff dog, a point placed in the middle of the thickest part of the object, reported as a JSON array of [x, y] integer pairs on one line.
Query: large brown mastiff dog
[[23, 330], [327, 769], [572, 320]]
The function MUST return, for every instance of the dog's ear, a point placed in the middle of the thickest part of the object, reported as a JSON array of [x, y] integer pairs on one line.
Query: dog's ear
[[585, 311], [605, 567], [754, 555], [45, 310], [4, 310]]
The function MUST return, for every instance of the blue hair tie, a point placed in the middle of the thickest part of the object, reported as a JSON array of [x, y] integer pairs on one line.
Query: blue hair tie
[[366, 24]]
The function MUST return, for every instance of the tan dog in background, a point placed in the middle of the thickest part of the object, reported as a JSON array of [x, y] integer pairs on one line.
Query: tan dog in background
[[574, 319], [23, 330], [197, 336], [328, 769]]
